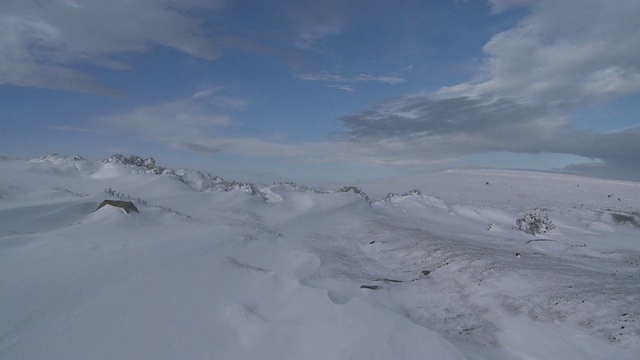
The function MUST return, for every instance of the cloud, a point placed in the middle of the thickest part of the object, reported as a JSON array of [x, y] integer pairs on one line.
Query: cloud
[[257, 147], [337, 78], [211, 96], [607, 170], [33, 54], [58, 44], [174, 122], [499, 6], [420, 130], [199, 123], [631, 127], [71, 128], [348, 88], [422, 115], [562, 55], [408, 132], [312, 21], [322, 77], [573, 51], [388, 79], [200, 148], [41, 43]]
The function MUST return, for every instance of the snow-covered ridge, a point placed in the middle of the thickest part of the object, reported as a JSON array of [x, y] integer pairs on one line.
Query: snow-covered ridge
[[536, 221], [198, 180]]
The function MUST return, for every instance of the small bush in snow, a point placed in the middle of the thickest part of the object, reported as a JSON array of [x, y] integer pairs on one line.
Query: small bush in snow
[[533, 223]]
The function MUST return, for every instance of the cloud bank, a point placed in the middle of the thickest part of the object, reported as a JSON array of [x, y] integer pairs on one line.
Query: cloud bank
[[563, 55], [43, 42], [57, 44], [421, 129], [201, 123]]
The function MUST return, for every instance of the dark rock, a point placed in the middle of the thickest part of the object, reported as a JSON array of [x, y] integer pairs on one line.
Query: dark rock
[[149, 164], [389, 280], [370, 287], [631, 218], [426, 272], [356, 191], [127, 206]]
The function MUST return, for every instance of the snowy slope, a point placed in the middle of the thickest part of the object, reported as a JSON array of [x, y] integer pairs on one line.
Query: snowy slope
[[218, 269]]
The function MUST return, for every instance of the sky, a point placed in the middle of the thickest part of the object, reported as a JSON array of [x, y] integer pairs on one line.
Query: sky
[[315, 91]]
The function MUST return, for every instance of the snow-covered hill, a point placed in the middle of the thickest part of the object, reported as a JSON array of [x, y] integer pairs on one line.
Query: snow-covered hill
[[477, 264]]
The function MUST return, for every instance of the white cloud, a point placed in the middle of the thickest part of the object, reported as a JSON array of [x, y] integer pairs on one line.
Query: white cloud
[[614, 81], [172, 122], [502, 5], [212, 96], [410, 132], [571, 51], [32, 53], [312, 21], [322, 77], [337, 78], [563, 55], [421, 130], [388, 79], [197, 123], [342, 87], [71, 128], [41, 42]]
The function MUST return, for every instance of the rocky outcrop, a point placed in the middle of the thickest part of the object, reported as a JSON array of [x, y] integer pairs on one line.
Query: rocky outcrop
[[356, 191], [147, 165], [127, 206]]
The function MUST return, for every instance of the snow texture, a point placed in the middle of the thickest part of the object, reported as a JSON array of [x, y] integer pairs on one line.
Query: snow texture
[[476, 265]]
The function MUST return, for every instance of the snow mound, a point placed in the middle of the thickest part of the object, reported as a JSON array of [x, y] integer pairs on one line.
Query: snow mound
[[39, 218]]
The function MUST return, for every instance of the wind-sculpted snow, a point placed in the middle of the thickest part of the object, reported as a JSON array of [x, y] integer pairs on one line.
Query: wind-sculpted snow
[[212, 268]]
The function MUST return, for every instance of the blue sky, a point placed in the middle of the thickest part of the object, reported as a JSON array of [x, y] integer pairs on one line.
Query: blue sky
[[318, 91]]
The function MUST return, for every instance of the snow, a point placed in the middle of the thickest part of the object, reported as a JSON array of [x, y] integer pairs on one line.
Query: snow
[[213, 269]]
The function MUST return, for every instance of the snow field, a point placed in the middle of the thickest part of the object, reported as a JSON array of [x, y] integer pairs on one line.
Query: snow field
[[207, 270]]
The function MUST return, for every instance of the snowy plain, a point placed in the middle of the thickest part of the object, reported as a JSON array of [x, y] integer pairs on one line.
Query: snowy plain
[[215, 269]]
